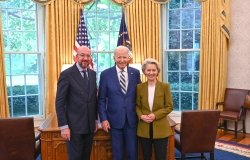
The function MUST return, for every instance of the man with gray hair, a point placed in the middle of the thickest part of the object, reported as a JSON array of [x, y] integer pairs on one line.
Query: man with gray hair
[[116, 105]]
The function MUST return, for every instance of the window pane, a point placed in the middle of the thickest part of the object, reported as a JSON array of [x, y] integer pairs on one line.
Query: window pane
[[173, 79], [197, 39], [103, 44], [6, 41], [113, 40], [18, 85], [115, 19], [196, 56], [18, 106], [13, 3], [10, 106], [90, 19], [29, 22], [8, 83], [14, 19], [196, 82], [93, 39], [29, 41], [173, 61], [174, 19], [186, 81], [33, 105], [187, 3], [28, 4], [186, 61], [174, 39], [17, 63], [186, 101], [31, 63], [187, 19], [7, 64], [176, 96], [197, 18], [103, 6], [4, 20], [114, 7], [195, 101], [102, 20], [187, 39], [15, 41], [103, 61], [173, 4], [32, 84]]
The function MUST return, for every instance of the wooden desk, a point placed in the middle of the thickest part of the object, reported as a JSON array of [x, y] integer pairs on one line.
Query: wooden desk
[[53, 146]]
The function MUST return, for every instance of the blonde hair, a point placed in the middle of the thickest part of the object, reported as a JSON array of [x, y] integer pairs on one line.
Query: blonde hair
[[150, 61]]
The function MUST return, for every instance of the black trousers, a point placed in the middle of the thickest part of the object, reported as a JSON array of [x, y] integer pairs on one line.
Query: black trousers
[[160, 146], [79, 147]]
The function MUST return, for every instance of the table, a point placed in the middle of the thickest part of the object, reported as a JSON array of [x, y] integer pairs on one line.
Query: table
[[53, 146]]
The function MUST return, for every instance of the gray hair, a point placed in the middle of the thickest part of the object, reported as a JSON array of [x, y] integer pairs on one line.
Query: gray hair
[[119, 48], [150, 61]]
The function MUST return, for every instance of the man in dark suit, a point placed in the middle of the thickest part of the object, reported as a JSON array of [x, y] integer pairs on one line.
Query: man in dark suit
[[76, 106], [116, 104]]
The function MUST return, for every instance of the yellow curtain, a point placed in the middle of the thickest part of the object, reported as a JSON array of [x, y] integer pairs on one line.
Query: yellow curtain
[[213, 54], [144, 21], [4, 111], [62, 19]]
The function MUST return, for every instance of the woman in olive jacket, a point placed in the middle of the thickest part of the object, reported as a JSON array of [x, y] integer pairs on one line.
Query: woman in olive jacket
[[153, 104]]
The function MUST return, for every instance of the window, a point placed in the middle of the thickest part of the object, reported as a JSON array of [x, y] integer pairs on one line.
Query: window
[[23, 56], [102, 19], [181, 52]]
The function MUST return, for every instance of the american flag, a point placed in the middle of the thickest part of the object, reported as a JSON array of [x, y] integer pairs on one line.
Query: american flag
[[123, 38], [81, 38]]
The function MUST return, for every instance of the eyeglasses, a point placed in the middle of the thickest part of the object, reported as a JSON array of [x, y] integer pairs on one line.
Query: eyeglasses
[[84, 55]]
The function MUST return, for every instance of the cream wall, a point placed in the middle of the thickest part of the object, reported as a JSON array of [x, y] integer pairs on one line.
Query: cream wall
[[239, 50]]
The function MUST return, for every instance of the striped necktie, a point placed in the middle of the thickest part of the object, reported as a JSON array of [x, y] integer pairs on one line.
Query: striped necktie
[[123, 82]]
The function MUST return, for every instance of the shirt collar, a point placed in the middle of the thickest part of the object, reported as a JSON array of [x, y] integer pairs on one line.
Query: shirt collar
[[80, 68], [119, 70]]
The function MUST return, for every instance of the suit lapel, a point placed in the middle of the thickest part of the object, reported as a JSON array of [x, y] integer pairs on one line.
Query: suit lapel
[[78, 77], [92, 81], [145, 90], [130, 78], [157, 90], [116, 79]]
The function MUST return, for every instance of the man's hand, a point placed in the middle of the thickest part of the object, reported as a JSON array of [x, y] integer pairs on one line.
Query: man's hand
[[105, 125], [65, 133]]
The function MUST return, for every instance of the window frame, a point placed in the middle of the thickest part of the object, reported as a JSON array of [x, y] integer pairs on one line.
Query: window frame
[[40, 42], [165, 50]]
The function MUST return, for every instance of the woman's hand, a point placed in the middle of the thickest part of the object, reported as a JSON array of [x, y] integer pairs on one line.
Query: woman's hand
[[146, 118]]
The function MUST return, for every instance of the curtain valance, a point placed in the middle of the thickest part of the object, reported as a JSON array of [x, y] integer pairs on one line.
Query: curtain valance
[[120, 2]]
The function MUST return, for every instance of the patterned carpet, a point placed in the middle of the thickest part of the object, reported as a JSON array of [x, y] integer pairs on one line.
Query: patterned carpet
[[225, 150], [233, 147]]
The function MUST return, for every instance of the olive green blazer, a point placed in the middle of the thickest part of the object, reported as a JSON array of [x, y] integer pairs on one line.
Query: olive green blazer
[[162, 106]]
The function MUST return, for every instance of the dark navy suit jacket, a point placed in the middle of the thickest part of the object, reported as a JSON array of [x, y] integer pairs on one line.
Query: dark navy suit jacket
[[113, 104], [76, 104]]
